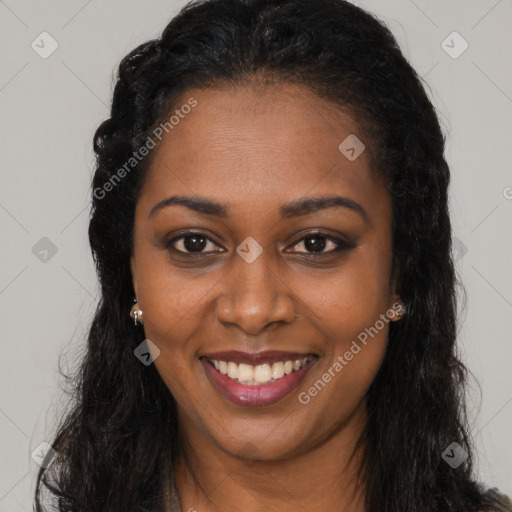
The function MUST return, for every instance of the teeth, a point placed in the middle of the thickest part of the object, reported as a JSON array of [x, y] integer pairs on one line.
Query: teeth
[[277, 370], [262, 373], [259, 374], [245, 372], [232, 370]]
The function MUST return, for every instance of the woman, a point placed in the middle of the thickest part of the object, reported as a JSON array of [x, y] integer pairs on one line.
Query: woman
[[277, 323]]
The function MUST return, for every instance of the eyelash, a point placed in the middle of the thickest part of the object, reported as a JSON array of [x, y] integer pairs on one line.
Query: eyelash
[[341, 244]]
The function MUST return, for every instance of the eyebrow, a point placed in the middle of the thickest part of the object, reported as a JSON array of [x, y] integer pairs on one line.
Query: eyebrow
[[303, 206]]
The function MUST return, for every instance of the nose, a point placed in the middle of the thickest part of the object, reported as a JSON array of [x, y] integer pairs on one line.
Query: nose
[[253, 296]]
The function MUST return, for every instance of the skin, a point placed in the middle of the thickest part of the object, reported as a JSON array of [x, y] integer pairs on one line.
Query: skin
[[255, 148]]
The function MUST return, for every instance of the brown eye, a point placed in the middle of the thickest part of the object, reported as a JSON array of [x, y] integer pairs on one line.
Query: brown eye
[[317, 243], [190, 243]]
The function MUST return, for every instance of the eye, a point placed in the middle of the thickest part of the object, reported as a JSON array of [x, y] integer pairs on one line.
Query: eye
[[191, 243], [317, 243]]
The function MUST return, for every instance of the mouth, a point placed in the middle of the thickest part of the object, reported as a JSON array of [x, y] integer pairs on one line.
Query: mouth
[[256, 379]]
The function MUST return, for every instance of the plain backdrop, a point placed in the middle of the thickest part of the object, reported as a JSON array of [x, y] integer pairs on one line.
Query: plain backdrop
[[50, 106]]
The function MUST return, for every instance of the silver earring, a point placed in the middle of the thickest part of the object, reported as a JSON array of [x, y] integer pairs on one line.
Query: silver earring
[[136, 313], [402, 310]]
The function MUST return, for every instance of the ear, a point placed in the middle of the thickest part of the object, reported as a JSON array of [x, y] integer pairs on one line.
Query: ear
[[134, 274], [395, 307]]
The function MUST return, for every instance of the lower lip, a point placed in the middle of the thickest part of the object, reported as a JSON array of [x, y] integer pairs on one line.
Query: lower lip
[[251, 396]]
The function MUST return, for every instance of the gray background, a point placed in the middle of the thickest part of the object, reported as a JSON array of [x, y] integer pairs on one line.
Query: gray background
[[50, 109]]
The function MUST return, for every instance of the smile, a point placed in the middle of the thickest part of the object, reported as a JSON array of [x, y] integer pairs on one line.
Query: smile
[[259, 384], [251, 375]]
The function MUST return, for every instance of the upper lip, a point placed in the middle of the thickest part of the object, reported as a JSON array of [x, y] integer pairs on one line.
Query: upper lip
[[269, 356]]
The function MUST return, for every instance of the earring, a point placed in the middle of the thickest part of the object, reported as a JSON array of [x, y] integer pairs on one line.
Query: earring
[[136, 313], [402, 310]]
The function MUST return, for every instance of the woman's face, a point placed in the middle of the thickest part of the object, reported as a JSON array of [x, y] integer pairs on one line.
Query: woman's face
[[256, 279]]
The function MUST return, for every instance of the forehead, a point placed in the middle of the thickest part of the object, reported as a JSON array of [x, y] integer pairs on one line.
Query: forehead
[[245, 144]]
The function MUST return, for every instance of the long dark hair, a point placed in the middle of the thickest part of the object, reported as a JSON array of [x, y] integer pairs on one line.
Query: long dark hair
[[117, 443]]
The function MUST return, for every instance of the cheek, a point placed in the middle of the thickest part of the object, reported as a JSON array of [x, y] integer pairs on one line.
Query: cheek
[[175, 301], [355, 325], [350, 307], [350, 299]]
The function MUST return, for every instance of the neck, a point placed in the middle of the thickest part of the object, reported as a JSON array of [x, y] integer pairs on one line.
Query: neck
[[321, 478]]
